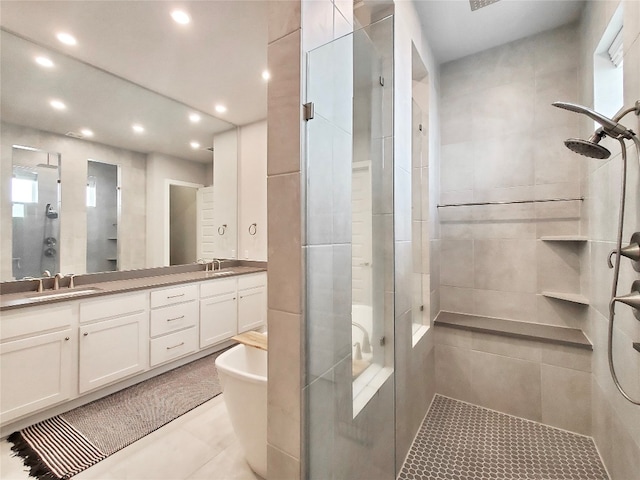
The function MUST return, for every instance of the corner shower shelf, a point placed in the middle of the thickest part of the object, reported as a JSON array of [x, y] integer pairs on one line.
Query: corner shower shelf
[[567, 297], [572, 337], [564, 238]]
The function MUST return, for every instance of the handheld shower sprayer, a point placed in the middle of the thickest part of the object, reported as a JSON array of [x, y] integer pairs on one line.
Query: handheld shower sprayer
[[590, 148], [610, 127]]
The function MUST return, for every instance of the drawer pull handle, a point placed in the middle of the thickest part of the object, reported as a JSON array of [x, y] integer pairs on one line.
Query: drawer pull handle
[[176, 318], [85, 334], [175, 346], [175, 296], [66, 338]]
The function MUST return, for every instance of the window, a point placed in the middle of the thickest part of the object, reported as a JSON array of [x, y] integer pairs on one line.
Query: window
[[24, 187], [91, 191]]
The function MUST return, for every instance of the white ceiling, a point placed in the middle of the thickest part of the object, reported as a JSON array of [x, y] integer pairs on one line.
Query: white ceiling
[[217, 59], [454, 31]]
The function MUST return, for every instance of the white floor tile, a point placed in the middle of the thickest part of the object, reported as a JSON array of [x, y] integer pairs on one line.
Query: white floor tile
[[199, 444]]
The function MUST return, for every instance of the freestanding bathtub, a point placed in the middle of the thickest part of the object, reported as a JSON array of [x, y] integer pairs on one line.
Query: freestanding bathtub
[[243, 374]]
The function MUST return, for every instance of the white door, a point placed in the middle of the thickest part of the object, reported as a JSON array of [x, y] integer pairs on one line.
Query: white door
[[251, 308], [218, 319], [206, 231], [36, 373], [112, 350]]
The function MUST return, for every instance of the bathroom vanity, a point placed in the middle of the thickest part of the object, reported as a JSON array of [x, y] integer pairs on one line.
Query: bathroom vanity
[[58, 351]]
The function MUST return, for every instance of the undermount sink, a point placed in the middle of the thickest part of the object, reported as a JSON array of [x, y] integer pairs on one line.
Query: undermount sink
[[62, 294], [220, 273]]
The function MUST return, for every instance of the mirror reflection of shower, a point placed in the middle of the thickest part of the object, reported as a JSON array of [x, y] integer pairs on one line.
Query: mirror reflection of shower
[[35, 200], [102, 203]]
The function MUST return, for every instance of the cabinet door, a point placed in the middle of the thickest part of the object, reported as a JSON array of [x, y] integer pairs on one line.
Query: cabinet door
[[218, 319], [112, 350], [36, 373], [252, 308]]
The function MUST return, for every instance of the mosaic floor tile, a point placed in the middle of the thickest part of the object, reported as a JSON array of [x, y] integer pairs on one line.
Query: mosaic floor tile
[[460, 441]]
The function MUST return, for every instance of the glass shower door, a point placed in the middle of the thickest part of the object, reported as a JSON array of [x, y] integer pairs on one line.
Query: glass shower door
[[35, 202], [349, 389]]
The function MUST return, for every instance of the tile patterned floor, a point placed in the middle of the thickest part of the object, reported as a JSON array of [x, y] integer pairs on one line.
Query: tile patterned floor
[[460, 441], [199, 445]]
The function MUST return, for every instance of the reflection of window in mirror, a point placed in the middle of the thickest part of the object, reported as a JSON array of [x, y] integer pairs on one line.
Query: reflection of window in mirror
[[102, 216], [420, 317]]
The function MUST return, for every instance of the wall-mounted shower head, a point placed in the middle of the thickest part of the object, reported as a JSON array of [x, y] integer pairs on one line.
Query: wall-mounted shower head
[[589, 148], [610, 127]]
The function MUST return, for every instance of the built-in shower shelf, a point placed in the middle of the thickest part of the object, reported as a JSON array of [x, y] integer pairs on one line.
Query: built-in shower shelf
[[567, 297], [573, 337], [112, 259], [112, 238], [564, 238]]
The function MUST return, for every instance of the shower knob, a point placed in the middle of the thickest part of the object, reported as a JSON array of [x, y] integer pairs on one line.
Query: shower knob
[[631, 251], [633, 299]]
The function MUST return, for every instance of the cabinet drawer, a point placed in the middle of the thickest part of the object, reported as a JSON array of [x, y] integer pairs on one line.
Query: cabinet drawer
[[173, 346], [168, 296], [35, 320], [218, 287], [252, 281], [174, 317], [113, 306]]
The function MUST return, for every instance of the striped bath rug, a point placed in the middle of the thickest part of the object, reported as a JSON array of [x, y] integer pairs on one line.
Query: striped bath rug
[[67, 444]]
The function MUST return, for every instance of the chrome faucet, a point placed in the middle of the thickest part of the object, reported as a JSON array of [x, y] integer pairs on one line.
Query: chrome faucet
[[39, 280], [366, 343], [71, 282], [203, 261], [218, 261], [56, 280]]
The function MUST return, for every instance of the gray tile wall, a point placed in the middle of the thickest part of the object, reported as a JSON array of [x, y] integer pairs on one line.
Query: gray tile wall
[[495, 112], [616, 422]]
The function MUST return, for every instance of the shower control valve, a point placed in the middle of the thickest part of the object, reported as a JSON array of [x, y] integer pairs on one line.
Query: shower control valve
[[631, 251], [633, 299]]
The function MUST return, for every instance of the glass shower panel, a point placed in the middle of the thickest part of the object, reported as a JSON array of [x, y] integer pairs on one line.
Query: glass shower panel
[[349, 257], [35, 200]]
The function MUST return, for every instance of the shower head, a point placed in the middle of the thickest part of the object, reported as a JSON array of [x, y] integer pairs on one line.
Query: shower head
[[587, 148], [610, 127]]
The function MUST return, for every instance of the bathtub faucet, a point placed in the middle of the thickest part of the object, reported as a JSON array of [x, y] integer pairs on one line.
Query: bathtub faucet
[[366, 343]]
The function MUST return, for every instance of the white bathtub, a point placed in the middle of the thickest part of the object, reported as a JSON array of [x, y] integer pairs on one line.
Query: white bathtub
[[243, 374]]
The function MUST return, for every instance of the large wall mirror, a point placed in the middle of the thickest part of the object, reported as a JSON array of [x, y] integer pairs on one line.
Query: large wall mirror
[[132, 107]]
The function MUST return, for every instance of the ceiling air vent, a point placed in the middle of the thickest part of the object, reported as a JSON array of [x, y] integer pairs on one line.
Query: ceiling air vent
[[476, 4], [74, 135]]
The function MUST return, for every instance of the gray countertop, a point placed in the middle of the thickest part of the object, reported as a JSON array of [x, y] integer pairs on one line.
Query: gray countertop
[[10, 301]]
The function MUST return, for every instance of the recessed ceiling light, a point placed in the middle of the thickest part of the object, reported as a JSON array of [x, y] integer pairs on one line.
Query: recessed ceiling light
[[266, 75], [44, 62], [221, 108], [57, 104], [137, 128], [195, 145], [194, 117], [86, 132], [67, 38], [180, 17]]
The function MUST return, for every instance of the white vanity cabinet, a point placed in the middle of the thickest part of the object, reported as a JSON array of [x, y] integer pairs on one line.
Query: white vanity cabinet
[[218, 311], [113, 339], [174, 323], [252, 301], [37, 359]]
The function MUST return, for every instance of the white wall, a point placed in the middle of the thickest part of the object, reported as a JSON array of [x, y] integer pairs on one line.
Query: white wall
[[161, 171], [225, 194], [252, 191]]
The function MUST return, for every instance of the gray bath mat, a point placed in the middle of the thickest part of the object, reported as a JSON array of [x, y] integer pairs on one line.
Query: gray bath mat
[[65, 445]]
